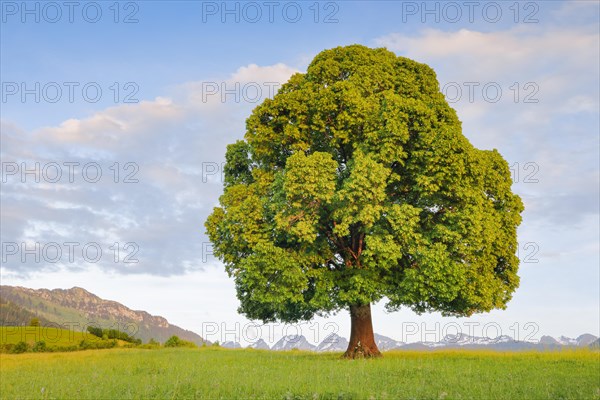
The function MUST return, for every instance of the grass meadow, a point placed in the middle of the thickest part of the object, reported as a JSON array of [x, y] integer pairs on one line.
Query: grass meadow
[[48, 334], [216, 373], [28, 338]]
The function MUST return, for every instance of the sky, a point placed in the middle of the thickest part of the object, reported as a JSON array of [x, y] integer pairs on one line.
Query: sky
[[115, 117]]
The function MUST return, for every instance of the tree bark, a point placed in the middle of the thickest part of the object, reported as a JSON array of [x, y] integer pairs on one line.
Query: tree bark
[[362, 340]]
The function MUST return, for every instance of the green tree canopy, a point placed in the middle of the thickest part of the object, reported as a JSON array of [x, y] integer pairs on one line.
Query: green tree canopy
[[355, 184]]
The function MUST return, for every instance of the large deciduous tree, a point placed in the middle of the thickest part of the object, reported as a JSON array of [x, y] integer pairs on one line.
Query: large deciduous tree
[[354, 184]]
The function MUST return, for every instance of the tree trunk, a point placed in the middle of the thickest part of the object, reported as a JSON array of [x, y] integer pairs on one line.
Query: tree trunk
[[362, 341]]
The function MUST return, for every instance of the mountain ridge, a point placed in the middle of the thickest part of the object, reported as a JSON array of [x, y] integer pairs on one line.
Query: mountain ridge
[[78, 306], [18, 305], [334, 342]]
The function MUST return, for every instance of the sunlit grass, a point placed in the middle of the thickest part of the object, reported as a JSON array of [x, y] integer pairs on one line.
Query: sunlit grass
[[221, 373], [50, 335]]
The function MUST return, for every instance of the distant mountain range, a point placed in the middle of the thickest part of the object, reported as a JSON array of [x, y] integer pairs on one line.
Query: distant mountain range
[[335, 342], [583, 340], [385, 343], [260, 344], [18, 305], [76, 308], [290, 342]]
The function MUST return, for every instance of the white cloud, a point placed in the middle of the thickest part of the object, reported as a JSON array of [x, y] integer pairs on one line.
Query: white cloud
[[168, 141], [109, 128], [495, 55], [250, 84], [580, 104], [253, 73]]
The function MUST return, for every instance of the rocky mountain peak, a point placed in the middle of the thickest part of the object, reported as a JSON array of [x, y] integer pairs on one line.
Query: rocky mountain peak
[[77, 305]]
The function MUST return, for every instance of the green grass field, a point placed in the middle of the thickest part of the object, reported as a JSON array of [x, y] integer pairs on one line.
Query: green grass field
[[53, 339], [251, 374], [50, 335]]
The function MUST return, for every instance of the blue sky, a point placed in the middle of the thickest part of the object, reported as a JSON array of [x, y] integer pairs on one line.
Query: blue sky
[[532, 67]]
